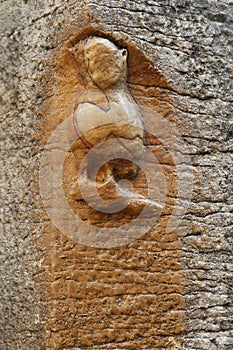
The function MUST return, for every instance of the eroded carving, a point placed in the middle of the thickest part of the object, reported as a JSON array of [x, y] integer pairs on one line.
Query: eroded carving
[[109, 111], [99, 206]]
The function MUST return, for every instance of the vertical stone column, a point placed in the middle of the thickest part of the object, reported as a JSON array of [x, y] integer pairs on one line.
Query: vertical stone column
[[166, 289]]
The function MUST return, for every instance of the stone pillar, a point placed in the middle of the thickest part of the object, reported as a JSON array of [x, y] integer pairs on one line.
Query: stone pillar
[[165, 282]]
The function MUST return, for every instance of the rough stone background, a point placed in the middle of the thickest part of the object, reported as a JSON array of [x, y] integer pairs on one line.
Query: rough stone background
[[192, 44]]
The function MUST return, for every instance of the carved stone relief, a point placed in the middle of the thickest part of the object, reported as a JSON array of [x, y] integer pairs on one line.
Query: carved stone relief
[[105, 95], [110, 111], [103, 145]]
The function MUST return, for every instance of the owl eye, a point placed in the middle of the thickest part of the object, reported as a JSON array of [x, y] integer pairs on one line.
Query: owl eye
[[123, 52]]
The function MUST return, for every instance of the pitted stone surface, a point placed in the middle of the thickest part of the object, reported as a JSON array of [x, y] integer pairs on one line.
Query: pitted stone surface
[[191, 44]]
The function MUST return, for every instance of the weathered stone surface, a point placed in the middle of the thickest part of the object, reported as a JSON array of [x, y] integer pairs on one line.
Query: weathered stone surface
[[71, 297]]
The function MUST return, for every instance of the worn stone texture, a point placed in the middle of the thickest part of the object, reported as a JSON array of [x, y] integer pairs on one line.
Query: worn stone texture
[[191, 43], [120, 298]]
